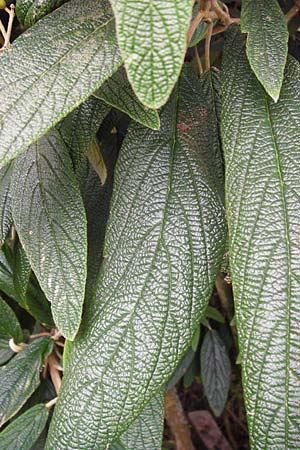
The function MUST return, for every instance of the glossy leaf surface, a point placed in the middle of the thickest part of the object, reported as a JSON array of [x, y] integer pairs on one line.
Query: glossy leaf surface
[[23, 432], [117, 92], [164, 244], [267, 42], [21, 376], [152, 39], [261, 143], [52, 68], [50, 219]]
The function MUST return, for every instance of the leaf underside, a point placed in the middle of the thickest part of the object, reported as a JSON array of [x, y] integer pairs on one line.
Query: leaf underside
[[52, 68], [261, 143], [163, 248]]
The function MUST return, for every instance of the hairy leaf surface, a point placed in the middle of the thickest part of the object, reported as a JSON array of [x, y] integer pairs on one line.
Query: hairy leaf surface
[[21, 376], [163, 247], [152, 39], [267, 42], [50, 219], [9, 324], [30, 11], [5, 200], [261, 141], [117, 92], [23, 432], [52, 68], [21, 272]]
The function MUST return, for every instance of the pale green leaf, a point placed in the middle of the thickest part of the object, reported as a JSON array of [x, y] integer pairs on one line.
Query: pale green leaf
[[21, 376], [267, 42], [23, 432], [50, 219], [146, 431], [261, 143], [52, 68], [5, 200], [215, 371], [96, 160], [117, 92], [152, 38], [164, 244]]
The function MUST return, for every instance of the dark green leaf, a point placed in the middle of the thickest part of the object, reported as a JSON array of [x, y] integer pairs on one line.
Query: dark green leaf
[[267, 42], [52, 68], [21, 376], [181, 368], [261, 143], [9, 324], [117, 92], [152, 39], [146, 431], [22, 433], [6, 276], [164, 244], [21, 272], [50, 219], [196, 337], [30, 11], [5, 200], [215, 371], [213, 313]]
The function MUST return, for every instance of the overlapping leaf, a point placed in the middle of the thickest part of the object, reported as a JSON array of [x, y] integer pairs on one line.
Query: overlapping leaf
[[30, 11], [164, 244], [261, 142], [23, 432], [267, 42], [152, 39], [50, 219], [52, 68], [9, 328], [5, 200], [21, 376]]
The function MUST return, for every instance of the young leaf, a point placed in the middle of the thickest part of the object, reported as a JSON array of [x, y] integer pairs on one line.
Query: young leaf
[[145, 432], [52, 68], [9, 324], [50, 219], [23, 432], [152, 39], [80, 126], [5, 200], [261, 143], [117, 92], [267, 42], [215, 371], [30, 11], [96, 161], [21, 376], [163, 247]]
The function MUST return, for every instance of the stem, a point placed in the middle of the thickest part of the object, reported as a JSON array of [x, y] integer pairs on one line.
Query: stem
[[54, 373], [207, 44], [196, 21], [17, 348], [293, 11], [199, 63], [177, 422], [11, 12], [51, 402], [37, 335], [2, 29]]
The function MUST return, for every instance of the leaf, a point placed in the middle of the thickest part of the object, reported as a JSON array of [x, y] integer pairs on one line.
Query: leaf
[[163, 248], [96, 160], [261, 143], [181, 369], [9, 324], [80, 126], [117, 92], [22, 433], [215, 371], [50, 219], [21, 376], [213, 313], [146, 431], [267, 42], [21, 272], [152, 39], [6, 276], [52, 68], [30, 11], [5, 200]]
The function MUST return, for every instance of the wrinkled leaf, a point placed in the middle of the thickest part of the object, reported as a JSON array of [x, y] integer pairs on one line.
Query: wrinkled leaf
[[6, 276], [9, 324], [261, 143], [21, 376], [50, 219], [163, 247], [215, 371], [152, 39], [21, 272], [5, 200], [267, 42], [117, 92], [22, 433], [146, 431], [52, 68], [30, 11]]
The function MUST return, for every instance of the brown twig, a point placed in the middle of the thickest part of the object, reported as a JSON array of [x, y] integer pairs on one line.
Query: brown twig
[[177, 421], [11, 12], [54, 372], [293, 11]]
